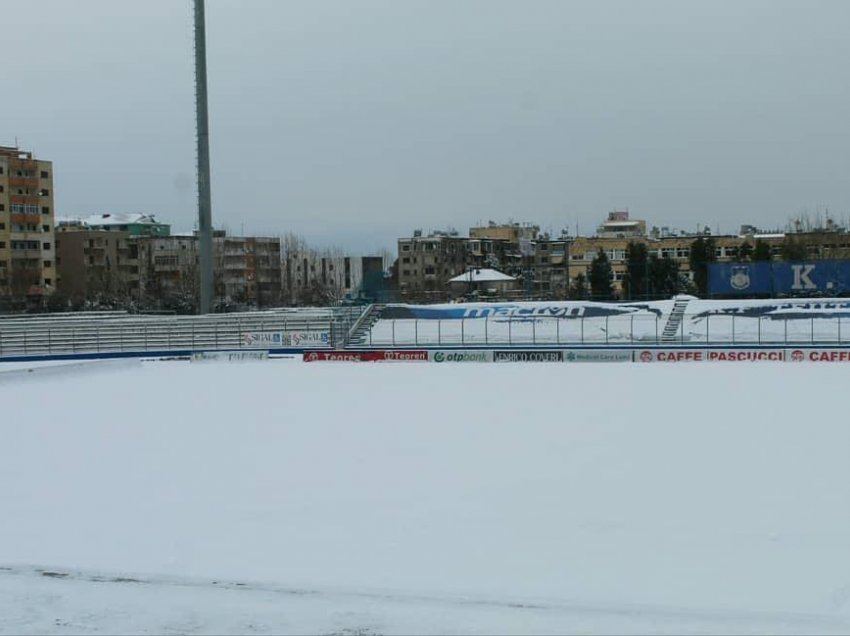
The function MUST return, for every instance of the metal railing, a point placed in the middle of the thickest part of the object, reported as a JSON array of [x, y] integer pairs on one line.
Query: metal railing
[[632, 329], [115, 332]]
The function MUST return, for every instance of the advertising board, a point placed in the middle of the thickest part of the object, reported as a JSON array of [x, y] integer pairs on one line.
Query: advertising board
[[818, 355], [262, 339], [598, 355], [229, 356], [460, 356], [661, 355], [305, 339], [366, 356], [710, 355], [728, 279], [528, 356], [829, 277]]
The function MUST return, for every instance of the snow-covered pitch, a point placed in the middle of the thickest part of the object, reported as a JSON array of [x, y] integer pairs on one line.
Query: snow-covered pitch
[[282, 497]]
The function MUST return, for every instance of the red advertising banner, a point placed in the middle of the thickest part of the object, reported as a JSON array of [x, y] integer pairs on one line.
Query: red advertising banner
[[819, 355], [366, 356], [710, 355]]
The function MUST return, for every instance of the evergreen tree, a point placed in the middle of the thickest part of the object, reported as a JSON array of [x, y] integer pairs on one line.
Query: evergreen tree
[[578, 288], [793, 249], [745, 252], [702, 253], [761, 252], [600, 277], [664, 279], [635, 280]]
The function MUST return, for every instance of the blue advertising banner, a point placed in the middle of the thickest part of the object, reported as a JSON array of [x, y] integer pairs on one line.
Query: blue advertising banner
[[739, 278], [516, 311], [828, 278], [815, 277]]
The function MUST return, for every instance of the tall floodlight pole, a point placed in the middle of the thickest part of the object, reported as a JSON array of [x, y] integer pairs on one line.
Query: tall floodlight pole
[[203, 133]]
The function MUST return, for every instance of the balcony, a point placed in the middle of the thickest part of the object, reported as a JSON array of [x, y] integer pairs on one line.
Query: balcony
[[34, 256], [18, 218], [23, 182]]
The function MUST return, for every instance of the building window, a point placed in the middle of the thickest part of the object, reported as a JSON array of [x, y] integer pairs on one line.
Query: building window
[[45, 210], [2, 188], [45, 246], [48, 263], [2, 207], [45, 228], [2, 244], [48, 281], [405, 248], [44, 192], [44, 174], [2, 226]]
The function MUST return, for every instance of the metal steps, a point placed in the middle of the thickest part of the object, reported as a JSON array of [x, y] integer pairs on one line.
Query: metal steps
[[359, 334], [674, 320]]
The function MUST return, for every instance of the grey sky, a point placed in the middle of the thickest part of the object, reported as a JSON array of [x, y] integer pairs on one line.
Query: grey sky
[[354, 122]]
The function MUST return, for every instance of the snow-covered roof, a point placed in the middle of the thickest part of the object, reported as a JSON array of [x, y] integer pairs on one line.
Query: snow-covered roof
[[115, 218], [481, 276]]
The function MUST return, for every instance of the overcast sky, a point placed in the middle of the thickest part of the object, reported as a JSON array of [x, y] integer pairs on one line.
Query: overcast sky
[[354, 122]]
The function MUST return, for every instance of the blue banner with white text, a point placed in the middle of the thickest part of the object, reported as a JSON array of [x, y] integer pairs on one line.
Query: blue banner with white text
[[809, 278]]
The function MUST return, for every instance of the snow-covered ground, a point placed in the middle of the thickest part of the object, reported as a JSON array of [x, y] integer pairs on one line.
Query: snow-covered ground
[[284, 497]]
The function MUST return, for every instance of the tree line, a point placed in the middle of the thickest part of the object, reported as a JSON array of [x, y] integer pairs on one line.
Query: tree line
[[652, 277]]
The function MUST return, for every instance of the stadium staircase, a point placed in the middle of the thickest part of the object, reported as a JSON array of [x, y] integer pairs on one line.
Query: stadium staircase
[[359, 334], [674, 320]]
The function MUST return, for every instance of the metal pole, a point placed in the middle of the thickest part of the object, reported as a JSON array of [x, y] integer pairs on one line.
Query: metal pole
[[203, 133]]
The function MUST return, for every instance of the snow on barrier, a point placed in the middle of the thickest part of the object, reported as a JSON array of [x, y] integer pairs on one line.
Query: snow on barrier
[[571, 356]]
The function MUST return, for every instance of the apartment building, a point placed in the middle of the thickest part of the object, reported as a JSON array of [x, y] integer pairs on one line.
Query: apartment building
[[27, 251], [313, 277], [97, 256], [169, 273], [427, 263], [619, 225], [246, 270], [96, 265], [538, 261], [511, 232]]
